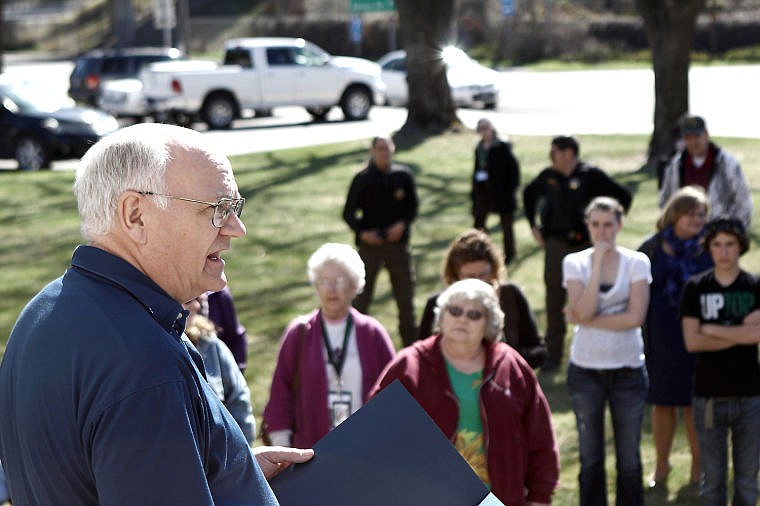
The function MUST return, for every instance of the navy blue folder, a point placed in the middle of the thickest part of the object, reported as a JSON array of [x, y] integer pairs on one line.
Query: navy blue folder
[[390, 452]]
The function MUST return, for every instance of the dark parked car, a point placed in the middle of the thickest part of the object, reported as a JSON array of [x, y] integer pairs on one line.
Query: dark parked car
[[99, 65], [37, 126]]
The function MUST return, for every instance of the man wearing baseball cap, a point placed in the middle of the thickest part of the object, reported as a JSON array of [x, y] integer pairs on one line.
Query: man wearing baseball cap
[[706, 164]]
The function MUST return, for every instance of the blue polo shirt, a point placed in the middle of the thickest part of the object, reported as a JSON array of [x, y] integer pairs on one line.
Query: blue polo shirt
[[102, 402]]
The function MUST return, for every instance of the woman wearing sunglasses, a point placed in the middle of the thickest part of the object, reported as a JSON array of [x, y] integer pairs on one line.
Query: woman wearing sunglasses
[[482, 395], [608, 293]]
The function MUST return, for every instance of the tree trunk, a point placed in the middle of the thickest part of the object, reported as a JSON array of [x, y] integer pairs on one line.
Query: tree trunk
[[670, 26], [425, 27]]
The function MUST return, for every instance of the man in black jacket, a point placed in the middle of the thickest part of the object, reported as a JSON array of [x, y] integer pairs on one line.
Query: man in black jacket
[[562, 192], [380, 208]]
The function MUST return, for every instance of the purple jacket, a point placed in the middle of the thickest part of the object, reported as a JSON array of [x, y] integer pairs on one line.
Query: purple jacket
[[221, 311], [305, 413]]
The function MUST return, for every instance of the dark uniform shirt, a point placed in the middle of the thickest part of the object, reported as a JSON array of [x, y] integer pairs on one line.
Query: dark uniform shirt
[[103, 402], [562, 200], [378, 199]]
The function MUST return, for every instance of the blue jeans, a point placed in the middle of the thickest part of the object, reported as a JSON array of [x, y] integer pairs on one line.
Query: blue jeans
[[713, 418], [625, 389]]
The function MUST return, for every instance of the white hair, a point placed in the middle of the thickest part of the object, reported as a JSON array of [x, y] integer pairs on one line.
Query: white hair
[[477, 291], [133, 158], [342, 255]]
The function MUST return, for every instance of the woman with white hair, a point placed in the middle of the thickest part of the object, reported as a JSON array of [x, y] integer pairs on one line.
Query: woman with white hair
[[329, 359], [483, 395]]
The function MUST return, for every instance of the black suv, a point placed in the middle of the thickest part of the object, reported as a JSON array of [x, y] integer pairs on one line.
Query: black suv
[[101, 64]]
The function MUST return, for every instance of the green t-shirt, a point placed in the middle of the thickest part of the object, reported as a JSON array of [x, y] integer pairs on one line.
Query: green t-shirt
[[469, 439]]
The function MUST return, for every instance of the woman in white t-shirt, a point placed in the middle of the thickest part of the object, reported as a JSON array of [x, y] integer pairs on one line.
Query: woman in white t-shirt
[[608, 293]]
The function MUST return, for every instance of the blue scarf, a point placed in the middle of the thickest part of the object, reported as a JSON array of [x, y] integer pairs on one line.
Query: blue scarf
[[681, 264]]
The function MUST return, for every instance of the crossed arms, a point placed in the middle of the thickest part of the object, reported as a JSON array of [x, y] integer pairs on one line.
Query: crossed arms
[[713, 337]]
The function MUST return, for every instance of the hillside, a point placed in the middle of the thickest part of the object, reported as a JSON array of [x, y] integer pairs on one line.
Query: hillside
[[587, 30]]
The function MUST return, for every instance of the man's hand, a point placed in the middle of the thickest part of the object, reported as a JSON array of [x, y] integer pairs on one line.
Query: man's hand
[[274, 459], [395, 231], [538, 236], [371, 237]]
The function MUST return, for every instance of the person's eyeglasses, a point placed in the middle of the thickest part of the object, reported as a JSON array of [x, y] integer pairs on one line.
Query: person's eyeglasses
[[222, 208], [471, 314], [340, 282]]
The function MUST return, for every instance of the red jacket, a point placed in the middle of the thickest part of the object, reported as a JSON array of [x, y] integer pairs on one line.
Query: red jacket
[[521, 450]]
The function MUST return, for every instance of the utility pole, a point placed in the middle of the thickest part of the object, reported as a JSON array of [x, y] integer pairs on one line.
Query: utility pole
[[2, 30], [165, 19], [123, 22], [183, 12]]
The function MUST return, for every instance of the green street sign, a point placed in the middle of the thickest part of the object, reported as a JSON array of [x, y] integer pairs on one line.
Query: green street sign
[[356, 6]]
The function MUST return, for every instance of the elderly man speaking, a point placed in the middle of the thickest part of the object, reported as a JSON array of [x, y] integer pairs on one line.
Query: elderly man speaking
[[102, 401]]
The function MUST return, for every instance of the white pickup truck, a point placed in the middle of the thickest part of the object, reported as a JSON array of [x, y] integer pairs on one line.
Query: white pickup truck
[[262, 73]]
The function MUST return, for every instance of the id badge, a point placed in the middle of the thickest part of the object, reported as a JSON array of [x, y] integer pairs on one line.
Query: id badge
[[340, 407]]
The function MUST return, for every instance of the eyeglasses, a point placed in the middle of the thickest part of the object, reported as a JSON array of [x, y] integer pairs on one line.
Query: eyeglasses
[[340, 282], [471, 314], [222, 208]]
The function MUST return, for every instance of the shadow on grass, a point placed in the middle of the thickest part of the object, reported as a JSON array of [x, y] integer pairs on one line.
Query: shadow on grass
[[632, 180], [277, 170], [410, 138]]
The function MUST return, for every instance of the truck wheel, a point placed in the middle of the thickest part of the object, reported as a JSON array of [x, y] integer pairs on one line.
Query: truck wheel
[[218, 111], [182, 119], [31, 154], [318, 113], [355, 103]]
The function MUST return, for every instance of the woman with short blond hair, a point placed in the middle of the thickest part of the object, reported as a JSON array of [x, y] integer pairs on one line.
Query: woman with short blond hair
[[675, 252]]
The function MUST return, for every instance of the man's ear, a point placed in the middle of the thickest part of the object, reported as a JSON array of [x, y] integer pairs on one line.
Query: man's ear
[[130, 216]]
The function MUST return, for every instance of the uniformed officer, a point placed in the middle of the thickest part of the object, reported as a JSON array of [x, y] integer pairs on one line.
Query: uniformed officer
[[380, 208], [560, 193]]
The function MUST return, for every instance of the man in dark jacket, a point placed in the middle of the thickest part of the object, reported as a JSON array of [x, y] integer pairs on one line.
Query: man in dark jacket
[[562, 192], [102, 398], [380, 208]]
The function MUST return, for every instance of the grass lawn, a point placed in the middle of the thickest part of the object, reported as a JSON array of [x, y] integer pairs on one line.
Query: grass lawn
[[295, 198]]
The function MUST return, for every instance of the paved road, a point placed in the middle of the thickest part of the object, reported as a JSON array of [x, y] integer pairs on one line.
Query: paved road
[[533, 103], [622, 101]]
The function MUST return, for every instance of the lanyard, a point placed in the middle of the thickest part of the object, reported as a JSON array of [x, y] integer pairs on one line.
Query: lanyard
[[336, 357]]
